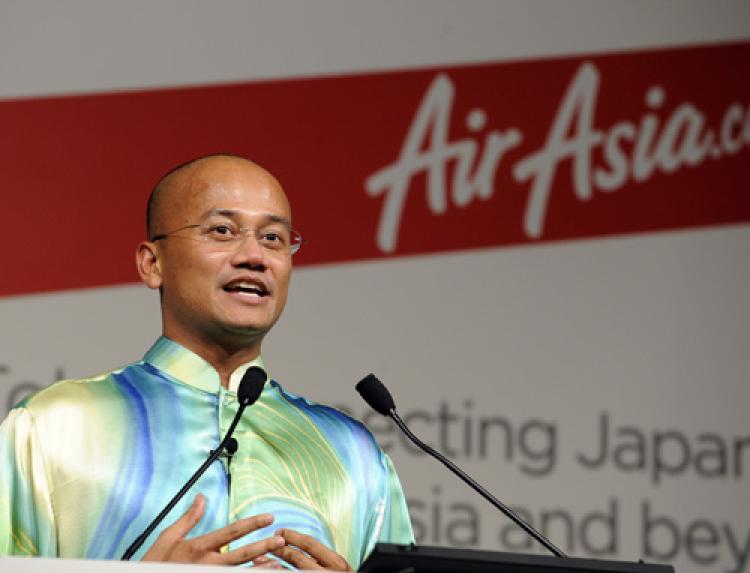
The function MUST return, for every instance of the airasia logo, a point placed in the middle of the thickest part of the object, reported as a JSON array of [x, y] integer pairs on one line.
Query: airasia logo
[[631, 152]]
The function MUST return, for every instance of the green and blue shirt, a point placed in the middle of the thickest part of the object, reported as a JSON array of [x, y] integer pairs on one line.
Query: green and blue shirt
[[85, 465]]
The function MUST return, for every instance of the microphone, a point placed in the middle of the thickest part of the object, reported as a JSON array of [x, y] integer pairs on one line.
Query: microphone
[[231, 448], [374, 392], [248, 392]]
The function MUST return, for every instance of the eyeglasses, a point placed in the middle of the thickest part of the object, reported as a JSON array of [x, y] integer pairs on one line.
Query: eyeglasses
[[229, 235]]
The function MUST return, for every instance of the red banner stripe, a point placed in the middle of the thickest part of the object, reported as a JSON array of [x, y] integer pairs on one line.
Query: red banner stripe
[[389, 164]]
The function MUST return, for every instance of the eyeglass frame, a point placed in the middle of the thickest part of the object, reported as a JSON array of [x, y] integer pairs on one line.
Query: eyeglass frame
[[242, 232]]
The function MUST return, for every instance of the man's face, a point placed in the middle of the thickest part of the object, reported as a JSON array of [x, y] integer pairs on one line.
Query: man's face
[[222, 292]]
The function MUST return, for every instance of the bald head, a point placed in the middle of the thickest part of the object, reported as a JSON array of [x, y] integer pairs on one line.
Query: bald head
[[166, 194]]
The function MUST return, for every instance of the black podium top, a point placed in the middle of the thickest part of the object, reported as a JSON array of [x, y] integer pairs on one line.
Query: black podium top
[[389, 558]]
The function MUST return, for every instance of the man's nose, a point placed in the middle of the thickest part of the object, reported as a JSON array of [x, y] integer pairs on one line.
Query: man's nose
[[249, 251]]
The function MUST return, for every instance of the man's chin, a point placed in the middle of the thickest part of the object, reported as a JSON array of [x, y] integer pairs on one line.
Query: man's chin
[[247, 327], [249, 331], [244, 330]]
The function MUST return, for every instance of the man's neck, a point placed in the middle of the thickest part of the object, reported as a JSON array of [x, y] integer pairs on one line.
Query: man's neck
[[224, 357]]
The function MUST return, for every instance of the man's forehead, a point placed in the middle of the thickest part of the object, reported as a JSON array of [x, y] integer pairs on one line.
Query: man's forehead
[[229, 185]]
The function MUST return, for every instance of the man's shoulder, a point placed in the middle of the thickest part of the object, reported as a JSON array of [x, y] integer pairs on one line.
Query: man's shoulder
[[326, 414], [72, 391]]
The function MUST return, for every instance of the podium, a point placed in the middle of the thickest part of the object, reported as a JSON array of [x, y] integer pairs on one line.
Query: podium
[[60, 565], [389, 558], [386, 558]]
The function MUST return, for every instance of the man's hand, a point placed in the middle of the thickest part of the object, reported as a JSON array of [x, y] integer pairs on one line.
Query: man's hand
[[171, 545], [307, 553]]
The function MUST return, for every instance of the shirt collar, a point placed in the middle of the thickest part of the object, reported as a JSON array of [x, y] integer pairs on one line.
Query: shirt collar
[[189, 368]]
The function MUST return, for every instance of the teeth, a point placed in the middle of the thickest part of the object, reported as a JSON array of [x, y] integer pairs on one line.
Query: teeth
[[245, 286]]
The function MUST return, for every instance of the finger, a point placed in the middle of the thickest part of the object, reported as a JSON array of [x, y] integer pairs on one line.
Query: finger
[[297, 559], [253, 551], [216, 539], [319, 552], [266, 562], [188, 520]]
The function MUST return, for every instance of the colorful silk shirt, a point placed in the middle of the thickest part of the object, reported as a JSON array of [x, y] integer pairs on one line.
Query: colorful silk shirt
[[85, 465]]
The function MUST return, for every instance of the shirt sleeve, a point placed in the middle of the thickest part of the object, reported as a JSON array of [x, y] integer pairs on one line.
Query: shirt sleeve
[[396, 523], [27, 524], [391, 522]]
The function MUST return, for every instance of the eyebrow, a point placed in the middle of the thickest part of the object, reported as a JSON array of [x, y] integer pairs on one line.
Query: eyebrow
[[233, 214]]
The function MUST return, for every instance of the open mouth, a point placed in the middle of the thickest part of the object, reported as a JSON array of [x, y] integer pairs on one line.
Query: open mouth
[[246, 287]]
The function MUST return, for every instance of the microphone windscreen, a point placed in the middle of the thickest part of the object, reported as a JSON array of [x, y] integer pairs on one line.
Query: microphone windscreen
[[251, 385], [376, 394]]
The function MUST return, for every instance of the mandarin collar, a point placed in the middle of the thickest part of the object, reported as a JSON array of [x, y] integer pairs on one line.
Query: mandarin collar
[[189, 368]]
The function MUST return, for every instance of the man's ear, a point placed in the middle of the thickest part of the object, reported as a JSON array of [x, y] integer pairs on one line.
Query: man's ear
[[149, 265]]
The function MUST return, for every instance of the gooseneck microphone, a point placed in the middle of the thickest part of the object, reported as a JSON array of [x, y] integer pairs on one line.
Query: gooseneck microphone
[[379, 399], [248, 392]]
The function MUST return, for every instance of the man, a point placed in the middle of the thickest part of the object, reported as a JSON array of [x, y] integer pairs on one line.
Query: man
[[85, 465]]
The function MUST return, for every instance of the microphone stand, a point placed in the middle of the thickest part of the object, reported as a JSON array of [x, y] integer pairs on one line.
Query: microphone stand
[[226, 444], [473, 484]]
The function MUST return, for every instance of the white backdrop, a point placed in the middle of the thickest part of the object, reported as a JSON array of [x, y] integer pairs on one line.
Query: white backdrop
[[533, 348]]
